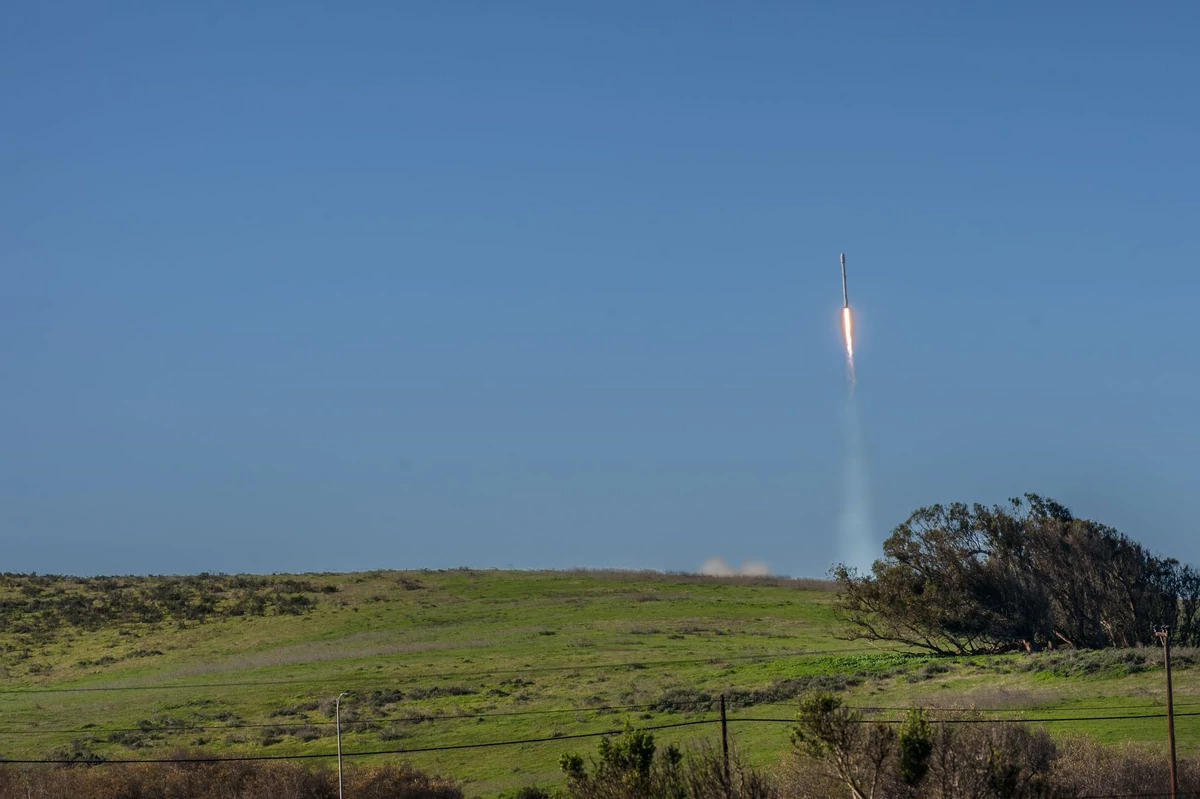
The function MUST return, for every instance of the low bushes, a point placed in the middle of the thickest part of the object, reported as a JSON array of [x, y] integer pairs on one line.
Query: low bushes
[[221, 780]]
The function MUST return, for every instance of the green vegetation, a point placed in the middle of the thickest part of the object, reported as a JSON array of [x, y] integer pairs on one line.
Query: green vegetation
[[842, 753], [138, 667], [959, 579], [227, 780]]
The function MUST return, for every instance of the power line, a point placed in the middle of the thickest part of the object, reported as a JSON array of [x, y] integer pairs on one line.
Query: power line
[[286, 722], [1154, 795], [992, 720], [454, 747], [951, 709], [291, 722], [635, 664], [550, 739], [443, 748]]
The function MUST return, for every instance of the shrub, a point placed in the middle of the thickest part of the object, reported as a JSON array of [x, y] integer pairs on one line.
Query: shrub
[[840, 753], [631, 766], [236, 780]]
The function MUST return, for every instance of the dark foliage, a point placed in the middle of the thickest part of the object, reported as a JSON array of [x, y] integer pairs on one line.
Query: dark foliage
[[960, 579], [35, 608], [632, 766], [230, 780], [842, 754]]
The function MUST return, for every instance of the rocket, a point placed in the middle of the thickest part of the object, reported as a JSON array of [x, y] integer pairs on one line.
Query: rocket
[[847, 325], [845, 296]]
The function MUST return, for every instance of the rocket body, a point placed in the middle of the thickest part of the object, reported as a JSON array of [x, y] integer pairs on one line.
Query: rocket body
[[845, 296], [847, 322]]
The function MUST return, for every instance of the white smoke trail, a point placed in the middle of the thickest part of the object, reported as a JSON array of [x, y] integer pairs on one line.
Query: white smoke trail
[[855, 545]]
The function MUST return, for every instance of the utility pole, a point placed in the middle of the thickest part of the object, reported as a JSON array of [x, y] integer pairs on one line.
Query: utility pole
[[337, 713], [725, 747], [1164, 634]]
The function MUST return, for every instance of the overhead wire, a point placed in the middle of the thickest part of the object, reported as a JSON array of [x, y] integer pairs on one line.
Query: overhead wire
[[631, 664], [455, 747], [1072, 719], [574, 736], [313, 756], [177, 726]]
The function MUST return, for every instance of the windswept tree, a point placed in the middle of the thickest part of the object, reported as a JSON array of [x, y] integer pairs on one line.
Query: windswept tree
[[959, 579]]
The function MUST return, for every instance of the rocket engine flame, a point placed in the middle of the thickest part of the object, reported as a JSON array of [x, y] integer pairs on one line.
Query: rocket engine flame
[[854, 533], [847, 328]]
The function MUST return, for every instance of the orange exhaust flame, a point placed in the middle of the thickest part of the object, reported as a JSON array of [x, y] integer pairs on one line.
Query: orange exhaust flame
[[847, 329]]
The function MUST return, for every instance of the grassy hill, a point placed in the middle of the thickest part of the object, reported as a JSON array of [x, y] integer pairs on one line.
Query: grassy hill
[[135, 667]]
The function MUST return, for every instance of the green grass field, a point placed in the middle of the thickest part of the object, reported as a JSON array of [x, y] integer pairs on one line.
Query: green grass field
[[443, 658]]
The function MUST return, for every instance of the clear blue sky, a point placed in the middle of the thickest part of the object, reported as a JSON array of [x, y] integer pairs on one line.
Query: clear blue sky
[[290, 287]]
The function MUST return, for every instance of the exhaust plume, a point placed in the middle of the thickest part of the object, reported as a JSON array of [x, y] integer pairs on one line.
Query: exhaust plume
[[854, 523], [855, 547]]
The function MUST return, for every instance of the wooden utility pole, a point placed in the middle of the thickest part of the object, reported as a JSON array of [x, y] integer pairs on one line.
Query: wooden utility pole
[[337, 712], [725, 748], [1164, 634]]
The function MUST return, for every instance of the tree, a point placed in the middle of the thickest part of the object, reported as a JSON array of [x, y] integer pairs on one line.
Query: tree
[[626, 766], [915, 742], [830, 731], [1187, 619], [959, 579]]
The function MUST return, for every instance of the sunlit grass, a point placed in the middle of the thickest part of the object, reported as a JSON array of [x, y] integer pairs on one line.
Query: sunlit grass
[[463, 647]]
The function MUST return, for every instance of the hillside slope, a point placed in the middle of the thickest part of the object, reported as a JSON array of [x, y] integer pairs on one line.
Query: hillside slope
[[137, 666]]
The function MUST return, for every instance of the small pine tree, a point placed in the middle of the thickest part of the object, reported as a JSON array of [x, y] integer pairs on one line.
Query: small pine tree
[[916, 745]]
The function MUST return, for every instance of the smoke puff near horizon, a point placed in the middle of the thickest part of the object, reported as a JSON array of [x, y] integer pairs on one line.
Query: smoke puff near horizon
[[717, 567]]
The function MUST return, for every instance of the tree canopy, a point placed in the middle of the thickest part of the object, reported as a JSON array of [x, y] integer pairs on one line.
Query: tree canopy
[[959, 579]]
